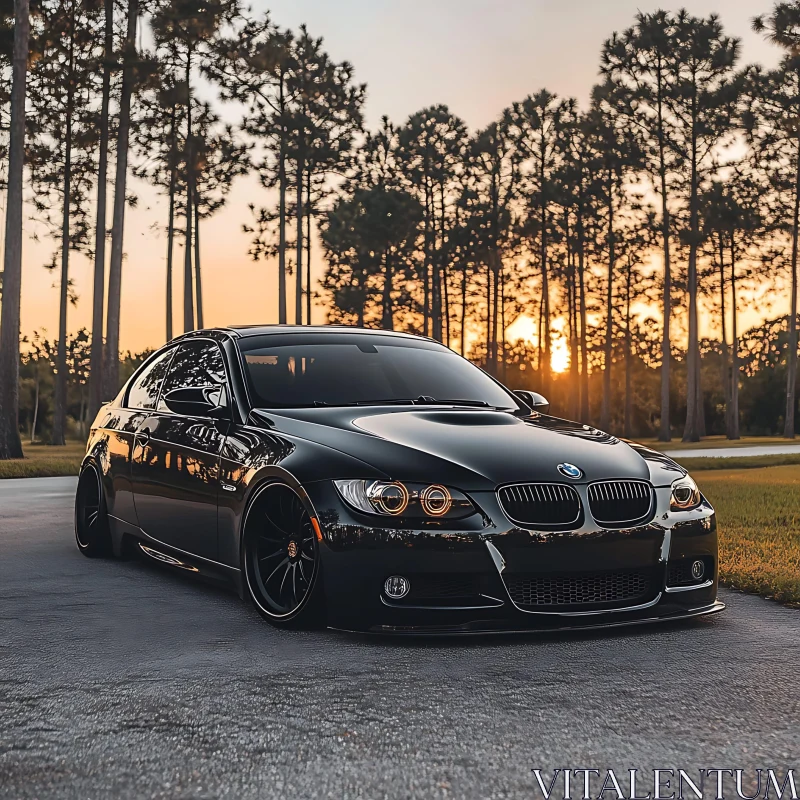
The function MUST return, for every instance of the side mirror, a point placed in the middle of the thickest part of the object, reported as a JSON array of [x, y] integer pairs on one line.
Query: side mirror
[[203, 401], [533, 399]]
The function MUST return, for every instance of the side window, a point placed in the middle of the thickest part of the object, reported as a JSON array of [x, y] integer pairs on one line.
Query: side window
[[196, 365], [144, 390]]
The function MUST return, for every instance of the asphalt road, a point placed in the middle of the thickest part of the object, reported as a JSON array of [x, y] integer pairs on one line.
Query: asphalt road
[[121, 679]]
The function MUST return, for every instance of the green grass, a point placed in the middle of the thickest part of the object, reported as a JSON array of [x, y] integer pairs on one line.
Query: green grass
[[738, 462], [45, 461], [758, 512]]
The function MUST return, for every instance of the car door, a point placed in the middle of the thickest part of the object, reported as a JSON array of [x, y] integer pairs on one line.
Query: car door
[[120, 423], [176, 457]]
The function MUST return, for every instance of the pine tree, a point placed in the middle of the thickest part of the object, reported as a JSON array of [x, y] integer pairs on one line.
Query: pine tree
[[771, 124], [10, 445], [63, 83]]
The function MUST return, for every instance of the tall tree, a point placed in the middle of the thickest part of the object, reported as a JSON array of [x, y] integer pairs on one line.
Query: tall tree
[[10, 445], [63, 82], [640, 64], [537, 121], [189, 29], [129, 58], [253, 67], [158, 139], [98, 293], [618, 159], [771, 121], [702, 101], [495, 174], [431, 153]]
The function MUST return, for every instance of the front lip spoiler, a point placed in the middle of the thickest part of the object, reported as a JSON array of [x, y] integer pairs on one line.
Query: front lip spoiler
[[483, 629]]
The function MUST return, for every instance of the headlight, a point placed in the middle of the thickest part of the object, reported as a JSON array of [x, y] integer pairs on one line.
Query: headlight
[[396, 499], [685, 495]]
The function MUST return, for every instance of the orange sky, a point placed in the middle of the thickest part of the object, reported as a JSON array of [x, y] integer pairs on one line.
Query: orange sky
[[477, 56]]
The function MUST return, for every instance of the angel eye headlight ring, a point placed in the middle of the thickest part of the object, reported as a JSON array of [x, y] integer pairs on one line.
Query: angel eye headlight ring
[[436, 500], [389, 498]]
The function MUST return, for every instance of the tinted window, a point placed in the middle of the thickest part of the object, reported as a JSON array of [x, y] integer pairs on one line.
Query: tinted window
[[196, 365], [144, 390], [342, 369]]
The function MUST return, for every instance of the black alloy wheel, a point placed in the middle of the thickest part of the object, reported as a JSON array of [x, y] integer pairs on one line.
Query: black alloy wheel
[[281, 557], [91, 520]]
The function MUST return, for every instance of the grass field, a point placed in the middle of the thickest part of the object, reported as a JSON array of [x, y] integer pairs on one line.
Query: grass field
[[45, 461], [738, 462], [758, 512]]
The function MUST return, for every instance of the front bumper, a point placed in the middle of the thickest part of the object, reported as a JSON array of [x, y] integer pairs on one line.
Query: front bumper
[[475, 570]]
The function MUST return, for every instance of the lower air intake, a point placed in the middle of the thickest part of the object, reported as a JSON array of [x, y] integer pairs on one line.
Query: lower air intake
[[578, 590]]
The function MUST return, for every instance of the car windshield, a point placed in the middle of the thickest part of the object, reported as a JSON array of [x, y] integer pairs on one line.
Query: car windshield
[[304, 370]]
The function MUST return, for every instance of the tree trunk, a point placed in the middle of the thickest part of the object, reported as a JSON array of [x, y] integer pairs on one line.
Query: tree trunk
[[111, 366], [282, 207], [495, 305], [10, 445], [188, 290], [198, 281], [628, 424], [173, 176], [60, 404], [733, 431], [98, 299], [605, 415], [665, 429], [545, 377], [791, 357], [584, 415], [308, 246], [387, 317], [503, 324], [35, 404], [426, 291], [726, 375], [463, 310], [691, 431], [298, 300]]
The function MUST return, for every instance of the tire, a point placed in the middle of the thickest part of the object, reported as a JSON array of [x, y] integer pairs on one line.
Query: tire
[[92, 533], [281, 559]]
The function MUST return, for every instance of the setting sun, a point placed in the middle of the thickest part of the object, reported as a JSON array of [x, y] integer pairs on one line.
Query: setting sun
[[559, 358]]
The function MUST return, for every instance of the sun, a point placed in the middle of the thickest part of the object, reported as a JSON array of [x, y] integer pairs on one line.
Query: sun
[[559, 356]]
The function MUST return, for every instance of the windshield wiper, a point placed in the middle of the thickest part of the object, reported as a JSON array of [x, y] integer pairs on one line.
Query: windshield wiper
[[422, 400], [425, 400]]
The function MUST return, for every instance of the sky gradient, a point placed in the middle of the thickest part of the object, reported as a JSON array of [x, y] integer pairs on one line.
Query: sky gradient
[[476, 56]]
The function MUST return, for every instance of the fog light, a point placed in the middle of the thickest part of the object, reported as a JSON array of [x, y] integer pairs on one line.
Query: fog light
[[698, 570], [396, 587]]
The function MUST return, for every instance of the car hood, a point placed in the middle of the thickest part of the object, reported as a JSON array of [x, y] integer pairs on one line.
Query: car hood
[[471, 449]]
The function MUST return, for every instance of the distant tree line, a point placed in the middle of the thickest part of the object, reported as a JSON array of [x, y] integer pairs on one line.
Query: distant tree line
[[675, 192]]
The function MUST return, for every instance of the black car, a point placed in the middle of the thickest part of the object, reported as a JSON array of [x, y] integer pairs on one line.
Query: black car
[[377, 481]]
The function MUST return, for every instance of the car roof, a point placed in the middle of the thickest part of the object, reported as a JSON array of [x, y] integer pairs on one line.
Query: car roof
[[241, 331]]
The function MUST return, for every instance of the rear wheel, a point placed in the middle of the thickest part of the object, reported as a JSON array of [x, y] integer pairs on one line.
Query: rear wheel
[[91, 520], [281, 558]]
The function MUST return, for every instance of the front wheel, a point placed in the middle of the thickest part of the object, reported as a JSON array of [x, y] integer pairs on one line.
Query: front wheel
[[91, 520], [281, 559]]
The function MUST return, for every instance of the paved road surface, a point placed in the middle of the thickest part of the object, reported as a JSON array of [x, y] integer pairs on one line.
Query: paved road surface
[[730, 452], [120, 679]]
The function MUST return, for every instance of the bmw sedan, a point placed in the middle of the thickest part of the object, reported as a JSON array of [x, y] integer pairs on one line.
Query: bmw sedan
[[376, 481]]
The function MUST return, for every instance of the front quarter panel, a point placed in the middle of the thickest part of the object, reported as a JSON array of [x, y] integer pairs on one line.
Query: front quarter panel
[[252, 455], [109, 446]]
